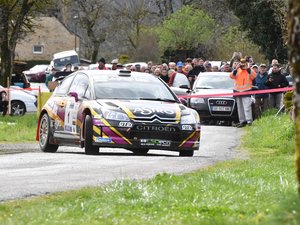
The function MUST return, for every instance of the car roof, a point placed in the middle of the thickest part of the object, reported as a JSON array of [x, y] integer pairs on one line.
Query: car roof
[[214, 73]]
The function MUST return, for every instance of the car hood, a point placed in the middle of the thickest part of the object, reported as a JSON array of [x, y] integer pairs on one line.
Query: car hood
[[212, 92], [145, 109]]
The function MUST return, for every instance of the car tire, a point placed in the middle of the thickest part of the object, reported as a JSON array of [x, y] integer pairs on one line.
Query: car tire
[[140, 151], [18, 108], [45, 134], [89, 148], [186, 153]]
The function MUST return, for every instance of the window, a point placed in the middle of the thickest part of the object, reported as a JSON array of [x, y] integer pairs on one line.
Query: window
[[64, 86], [38, 49], [80, 86]]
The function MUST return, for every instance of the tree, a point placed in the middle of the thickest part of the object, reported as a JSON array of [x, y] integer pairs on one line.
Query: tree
[[264, 20], [185, 29], [93, 20], [16, 18], [294, 59]]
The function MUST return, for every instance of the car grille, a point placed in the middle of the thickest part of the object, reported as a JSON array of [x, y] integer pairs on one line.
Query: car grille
[[141, 131], [154, 118], [221, 106]]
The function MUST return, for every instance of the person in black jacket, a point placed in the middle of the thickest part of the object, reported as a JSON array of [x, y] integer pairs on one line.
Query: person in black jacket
[[276, 80]]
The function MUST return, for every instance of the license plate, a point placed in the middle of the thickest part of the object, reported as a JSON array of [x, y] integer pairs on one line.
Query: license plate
[[155, 142], [221, 108]]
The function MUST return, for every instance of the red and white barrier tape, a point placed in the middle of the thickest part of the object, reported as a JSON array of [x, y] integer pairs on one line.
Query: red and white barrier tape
[[239, 93]]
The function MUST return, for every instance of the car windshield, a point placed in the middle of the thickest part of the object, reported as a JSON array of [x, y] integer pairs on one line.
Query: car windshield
[[180, 79], [133, 90], [214, 81], [61, 62]]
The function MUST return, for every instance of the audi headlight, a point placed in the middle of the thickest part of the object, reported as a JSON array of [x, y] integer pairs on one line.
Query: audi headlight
[[113, 115], [197, 101], [188, 119]]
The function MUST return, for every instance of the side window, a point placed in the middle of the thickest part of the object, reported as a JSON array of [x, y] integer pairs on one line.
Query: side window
[[64, 86], [80, 85]]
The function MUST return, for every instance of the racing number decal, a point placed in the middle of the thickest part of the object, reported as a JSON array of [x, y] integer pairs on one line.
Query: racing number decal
[[71, 116]]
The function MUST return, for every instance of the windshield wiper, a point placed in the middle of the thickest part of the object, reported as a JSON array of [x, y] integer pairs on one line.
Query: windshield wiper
[[205, 87], [159, 99]]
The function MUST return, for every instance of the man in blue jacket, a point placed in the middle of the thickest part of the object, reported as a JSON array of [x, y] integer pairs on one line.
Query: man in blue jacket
[[261, 100]]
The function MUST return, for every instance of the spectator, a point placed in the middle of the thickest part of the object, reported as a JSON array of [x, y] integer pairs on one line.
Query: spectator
[[50, 78], [226, 68], [208, 67], [164, 75], [114, 63], [243, 77], [255, 68], [250, 61], [197, 68], [101, 64], [261, 100], [138, 67], [68, 68], [179, 67], [276, 80], [172, 66], [215, 69], [274, 61]]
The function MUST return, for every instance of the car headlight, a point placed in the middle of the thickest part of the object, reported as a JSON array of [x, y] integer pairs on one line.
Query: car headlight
[[188, 119], [197, 100], [113, 115]]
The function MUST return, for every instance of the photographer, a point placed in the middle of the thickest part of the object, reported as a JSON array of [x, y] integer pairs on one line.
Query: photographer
[[276, 80], [243, 78]]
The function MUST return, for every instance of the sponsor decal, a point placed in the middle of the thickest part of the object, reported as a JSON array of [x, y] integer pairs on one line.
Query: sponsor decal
[[149, 111], [103, 140], [155, 128], [187, 127], [155, 142], [125, 124]]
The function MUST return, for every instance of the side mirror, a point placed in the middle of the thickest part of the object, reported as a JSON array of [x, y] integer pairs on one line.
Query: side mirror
[[75, 95], [183, 101]]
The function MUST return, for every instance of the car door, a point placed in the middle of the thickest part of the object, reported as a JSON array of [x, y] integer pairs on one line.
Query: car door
[[79, 91]]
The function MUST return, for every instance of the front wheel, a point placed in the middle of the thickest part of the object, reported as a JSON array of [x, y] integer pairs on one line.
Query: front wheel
[[186, 153], [90, 149], [44, 135]]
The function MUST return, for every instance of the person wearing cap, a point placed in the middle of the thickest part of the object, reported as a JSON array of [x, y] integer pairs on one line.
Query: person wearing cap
[[101, 64], [179, 67], [255, 68], [261, 100], [243, 77], [114, 64], [276, 80]]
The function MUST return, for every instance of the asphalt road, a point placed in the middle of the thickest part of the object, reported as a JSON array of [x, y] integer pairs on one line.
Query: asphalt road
[[29, 172]]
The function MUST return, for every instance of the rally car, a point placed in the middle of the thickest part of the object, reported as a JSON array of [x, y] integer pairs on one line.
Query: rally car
[[117, 109]]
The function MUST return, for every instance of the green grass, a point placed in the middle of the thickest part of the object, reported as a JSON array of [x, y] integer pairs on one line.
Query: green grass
[[261, 190], [18, 128]]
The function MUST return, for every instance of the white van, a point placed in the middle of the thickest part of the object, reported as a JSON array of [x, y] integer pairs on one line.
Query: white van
[[61, 59]]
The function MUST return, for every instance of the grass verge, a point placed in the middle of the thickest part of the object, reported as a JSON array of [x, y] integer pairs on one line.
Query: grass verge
[[18, 128], [261, 190]]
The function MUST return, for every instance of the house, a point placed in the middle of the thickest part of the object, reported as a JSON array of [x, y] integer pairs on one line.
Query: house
[[49, 36]]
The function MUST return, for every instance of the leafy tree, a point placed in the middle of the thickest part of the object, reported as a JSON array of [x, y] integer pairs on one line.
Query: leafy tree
[[294, 58], [185, 29], [16, 18], [264, 20]]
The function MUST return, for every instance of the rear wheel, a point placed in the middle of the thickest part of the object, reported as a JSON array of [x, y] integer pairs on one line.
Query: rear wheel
[[186, 153], [140, 151], [18, 108], [90, 149], [44, 135]]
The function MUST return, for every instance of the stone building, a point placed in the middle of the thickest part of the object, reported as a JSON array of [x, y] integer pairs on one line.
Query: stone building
[[49, 36]]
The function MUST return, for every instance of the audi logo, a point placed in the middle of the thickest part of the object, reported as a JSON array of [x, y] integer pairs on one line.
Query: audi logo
[[219, 102]]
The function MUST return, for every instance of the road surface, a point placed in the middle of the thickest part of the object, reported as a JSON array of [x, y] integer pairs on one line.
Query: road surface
[[29, 172]]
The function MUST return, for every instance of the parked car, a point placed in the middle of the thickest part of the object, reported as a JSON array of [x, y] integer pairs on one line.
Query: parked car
[[37, 73], [20, 80], [21, 101], [215, 108], [181, 85], [117, 109]]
